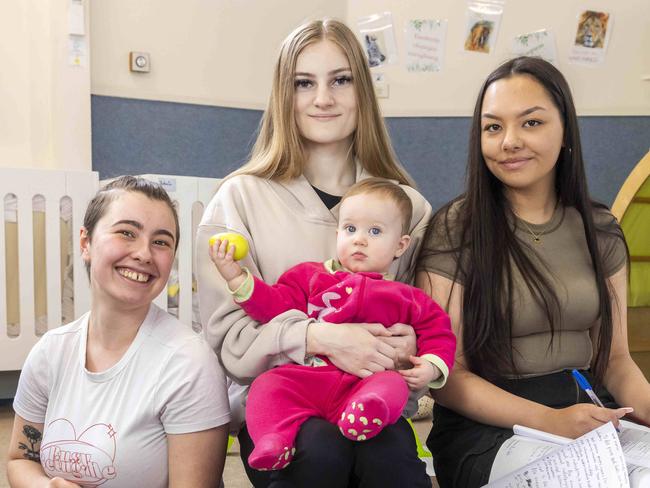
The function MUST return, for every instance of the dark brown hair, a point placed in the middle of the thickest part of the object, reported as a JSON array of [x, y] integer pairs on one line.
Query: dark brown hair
[[488, 251], [387, 189]]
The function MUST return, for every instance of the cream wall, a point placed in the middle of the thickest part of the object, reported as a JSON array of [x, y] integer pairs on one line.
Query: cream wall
[[221, 52], [213, 52], [614, 88], [45, 115]]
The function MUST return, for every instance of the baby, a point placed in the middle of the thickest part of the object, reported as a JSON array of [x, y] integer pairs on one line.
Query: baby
[[374, 220]]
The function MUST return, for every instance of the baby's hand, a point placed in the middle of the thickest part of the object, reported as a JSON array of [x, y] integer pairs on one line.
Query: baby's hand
[[222, 257], [421, 374]]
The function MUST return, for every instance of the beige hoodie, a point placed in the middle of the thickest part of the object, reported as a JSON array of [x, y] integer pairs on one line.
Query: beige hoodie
[[285, 224]]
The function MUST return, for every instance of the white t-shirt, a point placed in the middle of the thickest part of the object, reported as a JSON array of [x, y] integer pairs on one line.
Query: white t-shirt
[[110, 428]]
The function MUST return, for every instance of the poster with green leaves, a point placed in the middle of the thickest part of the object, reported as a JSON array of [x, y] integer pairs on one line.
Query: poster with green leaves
[[540, 43], [425, 44]]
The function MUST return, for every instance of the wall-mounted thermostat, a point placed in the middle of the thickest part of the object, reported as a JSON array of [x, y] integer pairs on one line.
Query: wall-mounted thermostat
[[139, 62]]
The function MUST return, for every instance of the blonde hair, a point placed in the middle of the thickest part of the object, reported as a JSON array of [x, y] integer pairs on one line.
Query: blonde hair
[[388, 190], [279, 153]]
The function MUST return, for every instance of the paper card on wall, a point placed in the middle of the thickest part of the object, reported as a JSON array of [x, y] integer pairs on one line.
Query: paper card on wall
[[425, 44], [380, 84], [540, 43], [591, 38], [76, 24], [483, 19], [77, 51], [378, 38]]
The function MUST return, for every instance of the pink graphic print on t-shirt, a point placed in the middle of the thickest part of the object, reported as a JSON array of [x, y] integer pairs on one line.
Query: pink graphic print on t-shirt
[[87, 459]]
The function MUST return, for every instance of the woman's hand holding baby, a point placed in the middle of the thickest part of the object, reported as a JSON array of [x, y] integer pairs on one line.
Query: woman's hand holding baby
[[402, 338], [354, 348]]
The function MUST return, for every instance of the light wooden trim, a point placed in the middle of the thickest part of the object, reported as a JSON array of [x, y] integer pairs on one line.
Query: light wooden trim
[[639, 332], [635, 179], [640, 259]]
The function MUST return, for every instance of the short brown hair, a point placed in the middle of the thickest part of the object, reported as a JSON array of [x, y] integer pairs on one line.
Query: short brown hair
[[106, 195], [385, 188]]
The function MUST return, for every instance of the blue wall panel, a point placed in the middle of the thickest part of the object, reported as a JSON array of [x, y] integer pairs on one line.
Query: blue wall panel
[[141, 136]]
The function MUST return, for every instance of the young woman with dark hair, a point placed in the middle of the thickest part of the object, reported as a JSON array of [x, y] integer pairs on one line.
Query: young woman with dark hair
[[533, 275], [125, 396]]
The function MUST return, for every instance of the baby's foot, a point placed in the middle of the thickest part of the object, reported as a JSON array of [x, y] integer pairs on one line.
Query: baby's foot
[[271, 453], [364, 417]]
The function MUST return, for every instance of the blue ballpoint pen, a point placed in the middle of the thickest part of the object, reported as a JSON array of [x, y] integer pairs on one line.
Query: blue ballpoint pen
[[584, 384]]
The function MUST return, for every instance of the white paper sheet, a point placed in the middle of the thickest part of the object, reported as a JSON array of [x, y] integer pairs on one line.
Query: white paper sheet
[[595, 460], [635, 442]]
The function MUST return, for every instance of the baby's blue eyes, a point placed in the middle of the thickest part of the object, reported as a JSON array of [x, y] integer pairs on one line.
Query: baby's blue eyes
[[373, 231]]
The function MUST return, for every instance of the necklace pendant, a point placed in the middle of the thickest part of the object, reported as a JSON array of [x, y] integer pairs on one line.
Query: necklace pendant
[[536, 240]]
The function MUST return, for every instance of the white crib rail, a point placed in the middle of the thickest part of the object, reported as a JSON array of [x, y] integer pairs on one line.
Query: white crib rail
[[186, 191], [53, 185], [80, 187]]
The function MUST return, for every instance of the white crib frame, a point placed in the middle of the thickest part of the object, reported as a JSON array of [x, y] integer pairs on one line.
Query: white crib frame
[[80, 187], [185, 191], [52, 185]]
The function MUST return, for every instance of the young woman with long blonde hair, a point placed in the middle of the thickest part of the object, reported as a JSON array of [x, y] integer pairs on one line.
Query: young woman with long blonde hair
[[321, 133]]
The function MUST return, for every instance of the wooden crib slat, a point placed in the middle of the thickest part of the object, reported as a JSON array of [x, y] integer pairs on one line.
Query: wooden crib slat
[[53, 257], [26, 262], [186, 195], [81, 187], [3, 267]]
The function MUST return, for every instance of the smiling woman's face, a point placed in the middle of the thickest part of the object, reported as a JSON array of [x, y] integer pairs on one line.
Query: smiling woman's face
[[521, 134], [131, 252], [325, 102]]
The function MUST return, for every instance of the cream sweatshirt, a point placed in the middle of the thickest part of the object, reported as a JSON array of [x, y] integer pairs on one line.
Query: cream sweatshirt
[[285, 224]]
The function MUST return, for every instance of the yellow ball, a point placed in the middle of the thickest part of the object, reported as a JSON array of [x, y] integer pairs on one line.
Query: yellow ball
[[240, 243]]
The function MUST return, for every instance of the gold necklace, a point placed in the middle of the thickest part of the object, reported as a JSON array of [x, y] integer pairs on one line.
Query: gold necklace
[[537, 238]]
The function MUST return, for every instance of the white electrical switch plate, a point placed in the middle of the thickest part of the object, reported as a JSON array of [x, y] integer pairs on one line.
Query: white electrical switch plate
[[139, 62]]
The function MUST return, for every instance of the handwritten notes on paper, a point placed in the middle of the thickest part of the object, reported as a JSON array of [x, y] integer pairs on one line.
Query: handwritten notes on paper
[[595, 460]]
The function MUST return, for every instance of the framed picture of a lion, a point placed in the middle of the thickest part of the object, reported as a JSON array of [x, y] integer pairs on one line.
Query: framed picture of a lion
[[592, 29], [589, 43]]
